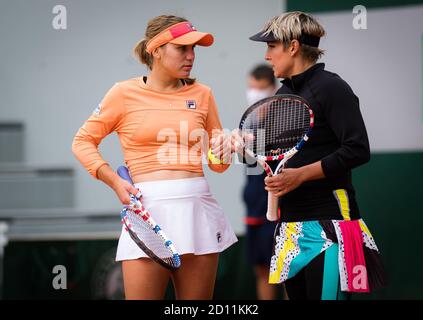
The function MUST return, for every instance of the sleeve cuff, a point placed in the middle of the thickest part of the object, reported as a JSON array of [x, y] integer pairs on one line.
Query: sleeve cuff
[[219, 168], [97, 166]]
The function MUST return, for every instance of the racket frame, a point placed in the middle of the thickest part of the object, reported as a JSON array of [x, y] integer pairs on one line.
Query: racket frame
[[138, 209], [272, 203]]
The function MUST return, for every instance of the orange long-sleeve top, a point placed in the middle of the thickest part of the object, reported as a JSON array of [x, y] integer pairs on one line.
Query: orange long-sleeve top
[[157, 130]]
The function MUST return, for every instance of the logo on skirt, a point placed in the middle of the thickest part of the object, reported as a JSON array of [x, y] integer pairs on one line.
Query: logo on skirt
[[219, 237]]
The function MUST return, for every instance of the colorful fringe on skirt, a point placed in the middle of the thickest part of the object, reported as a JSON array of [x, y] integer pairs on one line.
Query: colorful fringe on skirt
[[297, 243]]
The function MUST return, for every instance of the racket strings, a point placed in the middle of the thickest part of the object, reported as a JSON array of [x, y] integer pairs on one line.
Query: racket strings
[[152, 240], [278, 125]]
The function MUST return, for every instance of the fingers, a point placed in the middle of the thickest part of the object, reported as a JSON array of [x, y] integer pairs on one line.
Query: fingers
[[124, 190], [267, 180], [136, 192], [281, 193], [237, 142], [279, 186], [125, 199], [239, 139], [277, 192], [224, 143], [273, 190], [272, 184], [132, 189], [227, 157], [248, 137], [221, 146], [216, 144], [284, 182], [275, 185], [273, 181]]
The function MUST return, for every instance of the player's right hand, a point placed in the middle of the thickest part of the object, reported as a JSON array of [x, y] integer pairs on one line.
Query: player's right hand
[[123, 188]]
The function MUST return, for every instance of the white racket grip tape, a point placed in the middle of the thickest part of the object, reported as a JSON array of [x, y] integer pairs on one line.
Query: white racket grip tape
[[272, 207]]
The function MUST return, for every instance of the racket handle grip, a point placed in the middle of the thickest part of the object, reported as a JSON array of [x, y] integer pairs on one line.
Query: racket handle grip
[[124, 174], [272, 207]]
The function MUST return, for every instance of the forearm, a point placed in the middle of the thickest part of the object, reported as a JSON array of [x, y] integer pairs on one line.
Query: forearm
[[85, 149], [312, 171], [106, 174], [291, 178], [345, 158], [120, 186]]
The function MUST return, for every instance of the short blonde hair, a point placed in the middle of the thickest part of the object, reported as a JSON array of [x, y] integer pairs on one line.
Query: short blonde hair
[[291, 26]]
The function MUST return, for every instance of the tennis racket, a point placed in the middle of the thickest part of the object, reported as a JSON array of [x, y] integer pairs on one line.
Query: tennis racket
[[145, 232], [280, 125]]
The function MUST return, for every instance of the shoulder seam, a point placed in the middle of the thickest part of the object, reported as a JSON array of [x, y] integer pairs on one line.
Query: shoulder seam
[[118, 84]]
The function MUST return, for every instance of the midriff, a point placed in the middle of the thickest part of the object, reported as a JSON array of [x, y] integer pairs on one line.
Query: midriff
[[166, 175]]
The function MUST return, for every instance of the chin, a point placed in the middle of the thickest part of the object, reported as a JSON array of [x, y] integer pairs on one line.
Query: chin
[[276, 73], [184, 74]]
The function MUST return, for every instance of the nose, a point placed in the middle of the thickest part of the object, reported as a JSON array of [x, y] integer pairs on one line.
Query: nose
[[190, 53], [267, 56]]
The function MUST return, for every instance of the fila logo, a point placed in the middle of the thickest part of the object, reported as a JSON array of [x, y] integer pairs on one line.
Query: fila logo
[[191, 104], [189, 25], [219, 237]]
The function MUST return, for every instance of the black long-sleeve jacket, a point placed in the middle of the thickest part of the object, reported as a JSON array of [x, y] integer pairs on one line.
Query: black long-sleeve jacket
[[339, 139]]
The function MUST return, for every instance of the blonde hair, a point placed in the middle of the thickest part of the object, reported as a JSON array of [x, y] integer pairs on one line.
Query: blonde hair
[[154, 27], [291, 25]]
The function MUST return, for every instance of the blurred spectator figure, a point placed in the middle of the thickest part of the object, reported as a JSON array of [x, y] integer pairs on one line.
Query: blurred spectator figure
[[261, 84]]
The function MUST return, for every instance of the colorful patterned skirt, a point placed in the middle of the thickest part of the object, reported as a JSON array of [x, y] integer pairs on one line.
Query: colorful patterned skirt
[[296, 244]]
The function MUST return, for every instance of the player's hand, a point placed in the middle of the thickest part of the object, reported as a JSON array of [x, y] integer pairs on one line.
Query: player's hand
[[284, 182], [238, 140], [221, 147], [123, 188]]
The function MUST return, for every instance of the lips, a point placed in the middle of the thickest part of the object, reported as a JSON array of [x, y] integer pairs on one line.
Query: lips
[[187, 67]]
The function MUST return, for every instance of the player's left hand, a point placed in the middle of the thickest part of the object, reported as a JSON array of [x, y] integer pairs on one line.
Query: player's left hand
[[221, 147], [284, 182]]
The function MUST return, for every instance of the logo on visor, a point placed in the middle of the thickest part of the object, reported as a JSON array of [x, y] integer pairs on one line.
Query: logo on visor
[[191, 104], [191, 27]]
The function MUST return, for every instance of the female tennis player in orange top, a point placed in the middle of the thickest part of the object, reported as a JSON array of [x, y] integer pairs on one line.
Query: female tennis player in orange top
[[164, 122]]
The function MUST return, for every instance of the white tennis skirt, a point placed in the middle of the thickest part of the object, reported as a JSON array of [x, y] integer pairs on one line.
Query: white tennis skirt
[[189, 215]]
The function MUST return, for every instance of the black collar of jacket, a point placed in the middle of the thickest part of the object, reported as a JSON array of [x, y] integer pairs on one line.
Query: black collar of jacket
[[297, 81]]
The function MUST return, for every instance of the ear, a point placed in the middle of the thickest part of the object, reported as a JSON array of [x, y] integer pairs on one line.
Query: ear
[[156, 53], [294, 47]]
